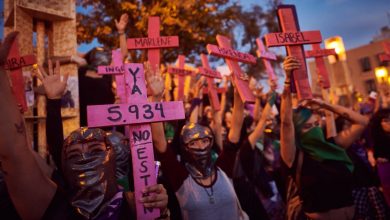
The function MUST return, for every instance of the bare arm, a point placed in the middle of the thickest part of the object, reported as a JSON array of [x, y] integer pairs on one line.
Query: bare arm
[[121, 27], [237, 119], [259, 130], [198, 93], [287, 132], [30, 190], [155, 84], [359, 122]]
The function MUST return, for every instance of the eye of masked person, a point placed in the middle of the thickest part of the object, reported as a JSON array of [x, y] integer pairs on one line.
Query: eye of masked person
[[199, 143], [77, 150]]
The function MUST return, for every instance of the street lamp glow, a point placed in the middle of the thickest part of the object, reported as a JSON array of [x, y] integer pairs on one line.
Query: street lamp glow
[[337, 44], [381, 72]]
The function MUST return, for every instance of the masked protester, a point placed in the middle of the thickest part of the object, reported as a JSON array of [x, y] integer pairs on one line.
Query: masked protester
[[120, 144], [203, 188], [320, 167]]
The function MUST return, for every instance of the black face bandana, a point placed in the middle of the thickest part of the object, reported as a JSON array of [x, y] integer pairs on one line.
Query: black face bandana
[[90, 176], [198, 161]]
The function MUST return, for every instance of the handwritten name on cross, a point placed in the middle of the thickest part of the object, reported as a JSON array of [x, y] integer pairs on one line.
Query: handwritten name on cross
[[14, 64], [153, 42], [232, 57], [210, 74], [136, 113], [385, 57], [181, 72], [293, 39], [266, 56], [318, 55]]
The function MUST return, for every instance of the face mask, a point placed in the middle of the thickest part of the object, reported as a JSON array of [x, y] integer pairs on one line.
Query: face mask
[[199, 162], [122, 152], [313, 143], [91, 181]]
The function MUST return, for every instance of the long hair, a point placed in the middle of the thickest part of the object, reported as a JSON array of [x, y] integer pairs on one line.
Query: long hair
[[377, 134]]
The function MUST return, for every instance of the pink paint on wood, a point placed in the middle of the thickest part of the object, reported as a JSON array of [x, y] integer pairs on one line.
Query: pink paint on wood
[[143, 166], [385, 56], [293, 39], [15, 63], [19, 62], [318, 54], [153, 42], [231, 54], [110, 70], [133, 113], [262, 51], [240, 79], [266, 57], [210, 74], [181, 72]]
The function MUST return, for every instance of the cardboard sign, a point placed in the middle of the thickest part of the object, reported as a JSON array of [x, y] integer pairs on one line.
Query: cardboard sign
[[153, 42], [318, 54], [210, 74], [266, 56], [240, 79], [293, 39], [15, 63], [135, 109], [181, 72]]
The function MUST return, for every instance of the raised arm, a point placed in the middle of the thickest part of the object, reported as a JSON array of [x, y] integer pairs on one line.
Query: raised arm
[[237, 119], [54, 89], [359, 122], [259, 130], [121, 28], [155, 84], [287, 132], [30, 190], [198, 96]]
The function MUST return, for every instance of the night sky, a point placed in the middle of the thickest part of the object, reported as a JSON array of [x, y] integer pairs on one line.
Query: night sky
[[356, 21]]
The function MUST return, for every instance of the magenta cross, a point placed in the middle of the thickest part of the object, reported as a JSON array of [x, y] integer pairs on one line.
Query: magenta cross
[[293, 39], [266, 56], [135, 112], [181, 72], [318, 54], [14, 63], [210, 74], [232, 57]]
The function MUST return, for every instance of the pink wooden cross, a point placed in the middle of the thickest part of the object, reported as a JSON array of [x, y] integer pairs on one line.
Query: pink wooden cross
[[293, 39], [153, 42], [181, 72], [210, 74], [14, 63], [266, 56], [385, 56], [318, 54], [232, 57], [135, 113]]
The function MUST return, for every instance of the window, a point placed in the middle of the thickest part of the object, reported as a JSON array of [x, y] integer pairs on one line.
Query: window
[[370, 85], [365, 64]]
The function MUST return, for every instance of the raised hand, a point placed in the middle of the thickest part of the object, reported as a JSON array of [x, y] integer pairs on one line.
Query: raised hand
[[121, 25], [313, 104], [290, 63], [52, 83], [198, 89], [155, 81]]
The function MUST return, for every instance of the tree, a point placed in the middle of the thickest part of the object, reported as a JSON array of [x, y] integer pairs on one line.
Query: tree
[[196, 22]]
